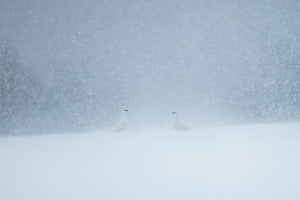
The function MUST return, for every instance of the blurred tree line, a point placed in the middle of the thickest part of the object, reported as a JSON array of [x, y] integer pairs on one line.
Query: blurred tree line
[[28, 104], [74, 101], [267, 91], [15, 91]]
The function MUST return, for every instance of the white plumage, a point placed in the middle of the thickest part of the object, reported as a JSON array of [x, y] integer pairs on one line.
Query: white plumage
[[179, 125], [121, 125]]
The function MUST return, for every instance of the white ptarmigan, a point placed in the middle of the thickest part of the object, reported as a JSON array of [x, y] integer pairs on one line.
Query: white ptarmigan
[[179, 125], [121, 125]]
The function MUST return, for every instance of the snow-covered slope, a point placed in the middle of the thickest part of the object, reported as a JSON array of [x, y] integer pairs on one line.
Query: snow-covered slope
[[237, 162]]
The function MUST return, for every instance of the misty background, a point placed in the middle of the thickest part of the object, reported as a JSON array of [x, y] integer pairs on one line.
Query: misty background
[[73, 65]]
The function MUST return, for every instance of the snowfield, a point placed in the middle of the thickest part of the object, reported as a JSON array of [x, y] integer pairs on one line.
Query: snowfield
[[226, 162]]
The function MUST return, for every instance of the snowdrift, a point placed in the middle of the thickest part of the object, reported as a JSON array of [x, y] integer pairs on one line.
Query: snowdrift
[[228, 162]]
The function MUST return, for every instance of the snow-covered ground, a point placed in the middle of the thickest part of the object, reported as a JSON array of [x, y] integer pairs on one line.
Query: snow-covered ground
[[229, 162]]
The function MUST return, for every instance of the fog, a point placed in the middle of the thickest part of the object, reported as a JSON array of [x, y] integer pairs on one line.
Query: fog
[[230, 69], [78, 63]]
